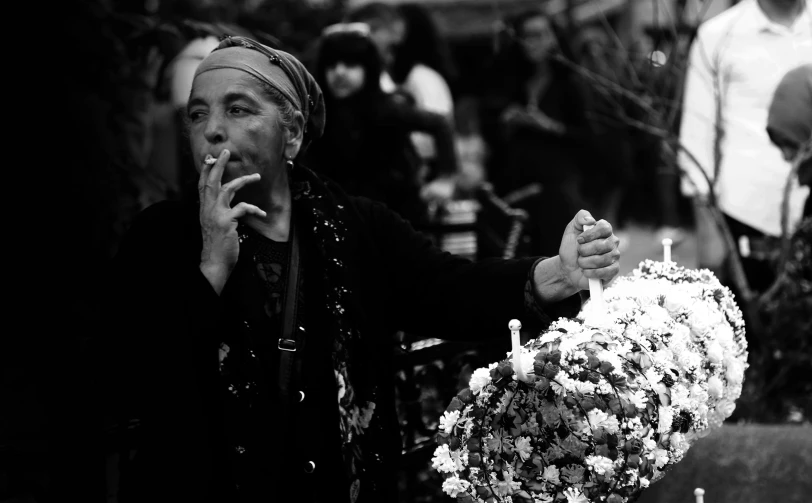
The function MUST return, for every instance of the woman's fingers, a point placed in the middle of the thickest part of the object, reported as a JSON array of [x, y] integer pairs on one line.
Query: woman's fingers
[[601, 230], [203, 179], [599, 246], [242, 209], [216, 173], [598, 261], [228, 190], [604, 273]]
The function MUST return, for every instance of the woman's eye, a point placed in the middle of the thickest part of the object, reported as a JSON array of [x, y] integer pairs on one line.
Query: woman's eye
[[238, 110]]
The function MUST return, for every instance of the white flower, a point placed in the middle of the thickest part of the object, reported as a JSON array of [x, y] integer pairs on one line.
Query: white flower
[[690, 360], [542, 498], [623, 306], [649, 443], [725, 408], [575, 496], [638, 398], [724, 334], [479, 379], [644, 483], [611, 425], [666, 418], [678, 442], [735, 371], [587, 388], [703, 317], [551, 336], [659, 457], [595, 417], [551, 474], [613, 358], [680, 332], [601, 465], [715, 387], [526, 360], [679, 395], [523, 447], [715, 352], [598, 418], [446, 461], [677, 300], [507, 399], [653, 376], [657, 317], [449, 420], [452, 486]]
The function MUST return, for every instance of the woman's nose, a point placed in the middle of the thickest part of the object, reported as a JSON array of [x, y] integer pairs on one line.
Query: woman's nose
[[215, 131]]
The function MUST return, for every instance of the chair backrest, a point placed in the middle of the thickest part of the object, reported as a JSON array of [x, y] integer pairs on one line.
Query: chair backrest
[[499, 227]]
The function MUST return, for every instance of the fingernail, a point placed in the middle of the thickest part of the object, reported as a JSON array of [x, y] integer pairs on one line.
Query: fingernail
[[580, 240], [224, 152]]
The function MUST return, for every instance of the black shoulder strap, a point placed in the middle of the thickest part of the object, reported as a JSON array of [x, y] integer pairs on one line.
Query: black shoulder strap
[[291, 343]]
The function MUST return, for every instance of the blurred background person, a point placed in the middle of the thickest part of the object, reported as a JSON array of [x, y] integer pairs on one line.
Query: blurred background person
[[599, 56], [387, 30], [736, 62], [789, 123], [422, 69], [417, 66], [533, 118], [366, 146]]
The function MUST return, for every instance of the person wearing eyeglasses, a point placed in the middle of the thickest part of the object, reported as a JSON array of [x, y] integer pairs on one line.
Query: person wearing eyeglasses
[[367, 146]]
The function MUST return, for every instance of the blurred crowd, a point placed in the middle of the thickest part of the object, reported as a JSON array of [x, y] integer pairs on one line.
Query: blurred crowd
[[542, 114]]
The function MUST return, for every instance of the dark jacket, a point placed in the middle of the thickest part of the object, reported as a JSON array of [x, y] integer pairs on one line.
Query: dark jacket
[[166, 324]]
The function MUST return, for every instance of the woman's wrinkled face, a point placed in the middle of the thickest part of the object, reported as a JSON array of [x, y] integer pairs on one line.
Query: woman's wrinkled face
[[345, 80], [537, 38], [228, 110]]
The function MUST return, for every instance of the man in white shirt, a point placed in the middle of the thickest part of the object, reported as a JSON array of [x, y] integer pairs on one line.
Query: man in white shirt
[[736, 62]]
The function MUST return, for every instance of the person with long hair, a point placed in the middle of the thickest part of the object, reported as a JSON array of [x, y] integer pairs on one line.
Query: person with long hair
[[366, 146], [422, 69], [535, 123]]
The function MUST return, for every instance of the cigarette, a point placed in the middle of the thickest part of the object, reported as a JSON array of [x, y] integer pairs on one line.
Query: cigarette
[[210, 160]]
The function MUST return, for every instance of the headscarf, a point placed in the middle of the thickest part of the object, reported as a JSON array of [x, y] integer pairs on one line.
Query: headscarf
[[790, 116], [277, 69]]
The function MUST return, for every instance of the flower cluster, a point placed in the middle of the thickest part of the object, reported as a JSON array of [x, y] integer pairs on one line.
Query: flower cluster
[[609, 402]]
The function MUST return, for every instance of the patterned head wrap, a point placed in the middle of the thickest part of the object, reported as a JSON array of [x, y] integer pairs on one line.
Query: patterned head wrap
[[277, 69]]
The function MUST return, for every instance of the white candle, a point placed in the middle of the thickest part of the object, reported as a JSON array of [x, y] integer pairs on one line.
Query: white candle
[[515, 326], [667, 249], [596, 290], [699, 493]]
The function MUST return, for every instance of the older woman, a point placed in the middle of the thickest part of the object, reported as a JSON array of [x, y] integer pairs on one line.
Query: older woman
[[254, 325]]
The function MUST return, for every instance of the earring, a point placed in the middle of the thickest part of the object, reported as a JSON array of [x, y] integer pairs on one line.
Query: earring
[[289, 164]]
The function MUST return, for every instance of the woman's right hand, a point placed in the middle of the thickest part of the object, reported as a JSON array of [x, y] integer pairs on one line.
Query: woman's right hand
[[218, 220]]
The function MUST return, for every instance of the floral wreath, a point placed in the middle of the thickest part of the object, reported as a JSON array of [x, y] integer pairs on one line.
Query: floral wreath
[[604, 406]]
